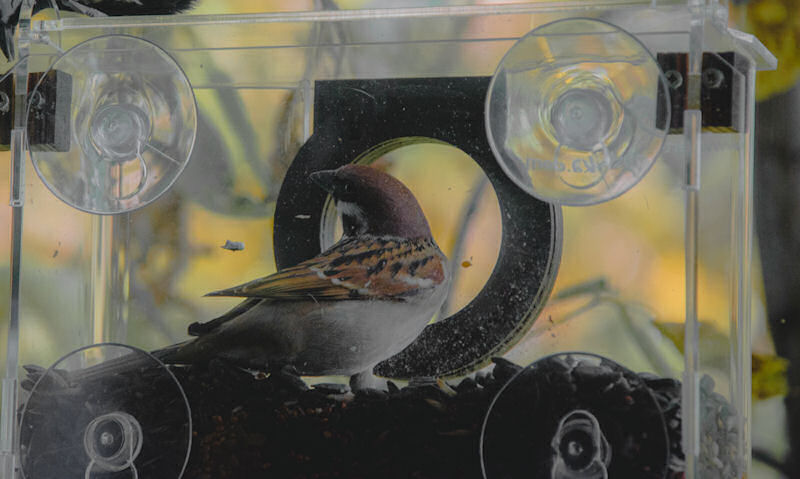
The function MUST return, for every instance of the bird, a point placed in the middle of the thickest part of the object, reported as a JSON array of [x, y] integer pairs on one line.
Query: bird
[[10, 10], [341, 312]]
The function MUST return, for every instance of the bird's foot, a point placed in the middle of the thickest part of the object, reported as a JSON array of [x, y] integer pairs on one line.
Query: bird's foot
[[366, 380], [432, 382]]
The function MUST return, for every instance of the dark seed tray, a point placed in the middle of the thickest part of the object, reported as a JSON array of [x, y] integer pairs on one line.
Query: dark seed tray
[[274, 425]]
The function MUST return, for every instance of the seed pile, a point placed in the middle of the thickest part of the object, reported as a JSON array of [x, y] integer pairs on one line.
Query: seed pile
[[246, 426]]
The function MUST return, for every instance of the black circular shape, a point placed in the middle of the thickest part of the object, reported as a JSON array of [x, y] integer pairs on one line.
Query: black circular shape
[[352, 117]]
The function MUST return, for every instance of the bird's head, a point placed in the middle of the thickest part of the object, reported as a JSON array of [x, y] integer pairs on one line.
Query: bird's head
[[374, 203]]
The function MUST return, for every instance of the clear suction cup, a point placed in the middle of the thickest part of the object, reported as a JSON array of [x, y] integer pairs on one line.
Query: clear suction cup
[[574, 416], [105, 411], [571, 113], [133, 117]]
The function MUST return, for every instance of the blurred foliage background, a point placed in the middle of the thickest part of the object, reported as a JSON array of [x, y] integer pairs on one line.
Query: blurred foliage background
[[633, 291]]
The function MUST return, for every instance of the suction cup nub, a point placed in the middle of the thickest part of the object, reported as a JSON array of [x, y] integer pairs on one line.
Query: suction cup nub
[[580, 448], [112, 442]]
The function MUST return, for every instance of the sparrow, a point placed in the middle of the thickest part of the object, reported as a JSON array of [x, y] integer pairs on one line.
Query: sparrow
[[359, 302], [341, 312], [10, 10]]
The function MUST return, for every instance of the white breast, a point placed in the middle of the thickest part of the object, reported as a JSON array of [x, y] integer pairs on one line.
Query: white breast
[[329, 337]]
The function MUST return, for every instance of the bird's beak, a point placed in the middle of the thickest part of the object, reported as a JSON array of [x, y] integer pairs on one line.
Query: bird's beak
[[324, 178]]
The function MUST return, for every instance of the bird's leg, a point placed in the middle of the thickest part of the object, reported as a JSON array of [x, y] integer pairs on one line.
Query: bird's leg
[[81, 8], [367, 380]]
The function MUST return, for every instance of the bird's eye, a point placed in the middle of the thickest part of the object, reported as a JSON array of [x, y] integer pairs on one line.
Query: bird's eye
[[346, 188]]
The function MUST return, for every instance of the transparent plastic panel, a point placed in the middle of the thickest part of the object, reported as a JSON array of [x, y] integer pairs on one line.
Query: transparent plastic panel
[[595, 294]]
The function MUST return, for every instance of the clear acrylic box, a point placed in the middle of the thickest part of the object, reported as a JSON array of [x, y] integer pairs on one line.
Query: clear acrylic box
[[586, 167]]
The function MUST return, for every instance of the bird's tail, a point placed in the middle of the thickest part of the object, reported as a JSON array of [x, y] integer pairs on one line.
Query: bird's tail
[[131, 363]]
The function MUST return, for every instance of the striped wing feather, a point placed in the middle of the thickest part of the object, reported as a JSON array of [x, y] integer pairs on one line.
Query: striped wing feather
[[355, 268]]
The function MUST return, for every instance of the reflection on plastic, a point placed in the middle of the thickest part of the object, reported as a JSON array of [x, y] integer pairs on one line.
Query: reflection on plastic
[[580, 448], [112, 442], [133, 119], [571, 112]]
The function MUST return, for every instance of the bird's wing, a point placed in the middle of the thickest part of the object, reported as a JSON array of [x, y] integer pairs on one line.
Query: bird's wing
[[356, 268], [199, 329]]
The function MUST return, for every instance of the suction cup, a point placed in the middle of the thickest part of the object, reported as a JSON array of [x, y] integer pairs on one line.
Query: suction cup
[[571, 113], [133, 117], [574, 416], [83, 421]]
